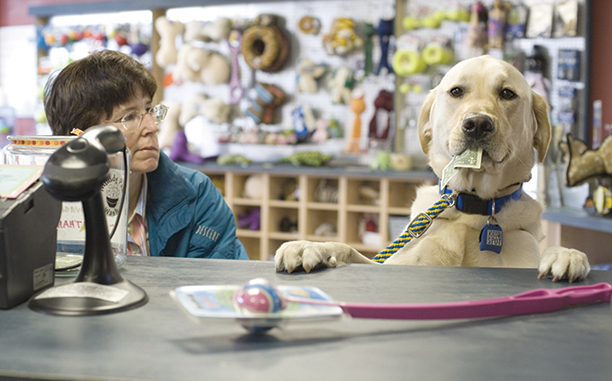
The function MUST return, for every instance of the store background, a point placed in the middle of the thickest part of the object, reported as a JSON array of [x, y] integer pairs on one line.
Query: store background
[[18, 56], [18, 68]]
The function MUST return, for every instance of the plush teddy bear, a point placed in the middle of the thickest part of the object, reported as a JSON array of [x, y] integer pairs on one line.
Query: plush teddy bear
[[216, 68], [183, 71], [212, 31], [168, 30], [191, 108], [213, 109], [309, 72], [201, 65]]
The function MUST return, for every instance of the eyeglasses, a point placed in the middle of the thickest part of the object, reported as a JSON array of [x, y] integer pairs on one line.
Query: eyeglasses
[[132, 121]]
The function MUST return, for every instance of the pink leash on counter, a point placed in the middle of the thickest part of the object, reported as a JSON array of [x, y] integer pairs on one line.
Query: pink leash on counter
[[530, 302]]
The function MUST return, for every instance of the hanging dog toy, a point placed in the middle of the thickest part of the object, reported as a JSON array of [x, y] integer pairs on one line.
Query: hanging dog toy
[[368, 48], [384, 101], [264, 45], [269, 97], [358, 106], [236, 91], [384, 31]]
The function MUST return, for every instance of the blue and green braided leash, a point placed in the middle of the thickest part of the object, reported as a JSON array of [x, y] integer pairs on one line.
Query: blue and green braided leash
[[416, 227]]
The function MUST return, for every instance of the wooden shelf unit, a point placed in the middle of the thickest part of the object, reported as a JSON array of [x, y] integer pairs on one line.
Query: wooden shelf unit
[[396, 192]]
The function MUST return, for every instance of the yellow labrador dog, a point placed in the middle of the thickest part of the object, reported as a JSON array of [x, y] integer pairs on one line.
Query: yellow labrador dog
[[481, 103]]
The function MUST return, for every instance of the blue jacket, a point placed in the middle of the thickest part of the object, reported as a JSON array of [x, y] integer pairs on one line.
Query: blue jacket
[[187, 216]]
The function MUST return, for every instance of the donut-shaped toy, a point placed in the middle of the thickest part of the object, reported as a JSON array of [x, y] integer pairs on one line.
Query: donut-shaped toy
[[435, 54], [309, 25], [260, 46], [408, 62], [283, 51]]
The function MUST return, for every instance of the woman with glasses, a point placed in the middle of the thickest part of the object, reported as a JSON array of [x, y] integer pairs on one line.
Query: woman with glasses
[[173, 210]]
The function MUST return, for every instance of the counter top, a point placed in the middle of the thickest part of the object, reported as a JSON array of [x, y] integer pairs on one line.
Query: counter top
[[158, 342]]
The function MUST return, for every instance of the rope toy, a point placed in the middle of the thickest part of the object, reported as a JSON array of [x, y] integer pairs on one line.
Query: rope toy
[[269, 97], [309, 25], [417, 227], [259, 47]]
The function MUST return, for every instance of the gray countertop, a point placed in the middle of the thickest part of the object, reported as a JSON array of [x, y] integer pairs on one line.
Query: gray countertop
[[158, 341]]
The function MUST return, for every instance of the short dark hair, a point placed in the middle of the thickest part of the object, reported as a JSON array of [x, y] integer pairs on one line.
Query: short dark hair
[[88, 90]]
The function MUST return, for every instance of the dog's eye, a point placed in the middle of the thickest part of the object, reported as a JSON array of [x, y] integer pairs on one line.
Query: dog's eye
[[508, 94], [456, 92]]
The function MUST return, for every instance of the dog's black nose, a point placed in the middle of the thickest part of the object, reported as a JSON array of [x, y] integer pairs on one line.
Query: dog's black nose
[[477, 126]]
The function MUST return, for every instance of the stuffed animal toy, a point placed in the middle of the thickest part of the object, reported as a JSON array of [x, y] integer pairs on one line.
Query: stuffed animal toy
[[216, 68], [477, 31], [213, 109], [250, 219], [201, 65], [340, 85], [212, 31], [180, 150], [183, 70], [304, 122], [168, 30], [342, 38], [321, 132], [358, 106], [583, 163], [254, 187], [496, 28], [309, 72], [308, 158], [191, 109], [384, 101], [171, 125]]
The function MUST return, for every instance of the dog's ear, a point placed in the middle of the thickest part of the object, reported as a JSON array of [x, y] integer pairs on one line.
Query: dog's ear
[[543, 131], [424, 124]]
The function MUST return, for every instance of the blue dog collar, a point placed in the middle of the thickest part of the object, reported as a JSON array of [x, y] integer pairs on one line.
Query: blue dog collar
[[471, 204]]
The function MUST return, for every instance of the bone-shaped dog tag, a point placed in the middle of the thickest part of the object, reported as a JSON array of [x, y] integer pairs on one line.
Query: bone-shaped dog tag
[[491, 237]]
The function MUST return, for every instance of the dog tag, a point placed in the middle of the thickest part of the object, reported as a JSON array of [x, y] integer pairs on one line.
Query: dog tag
[[491, 237]]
